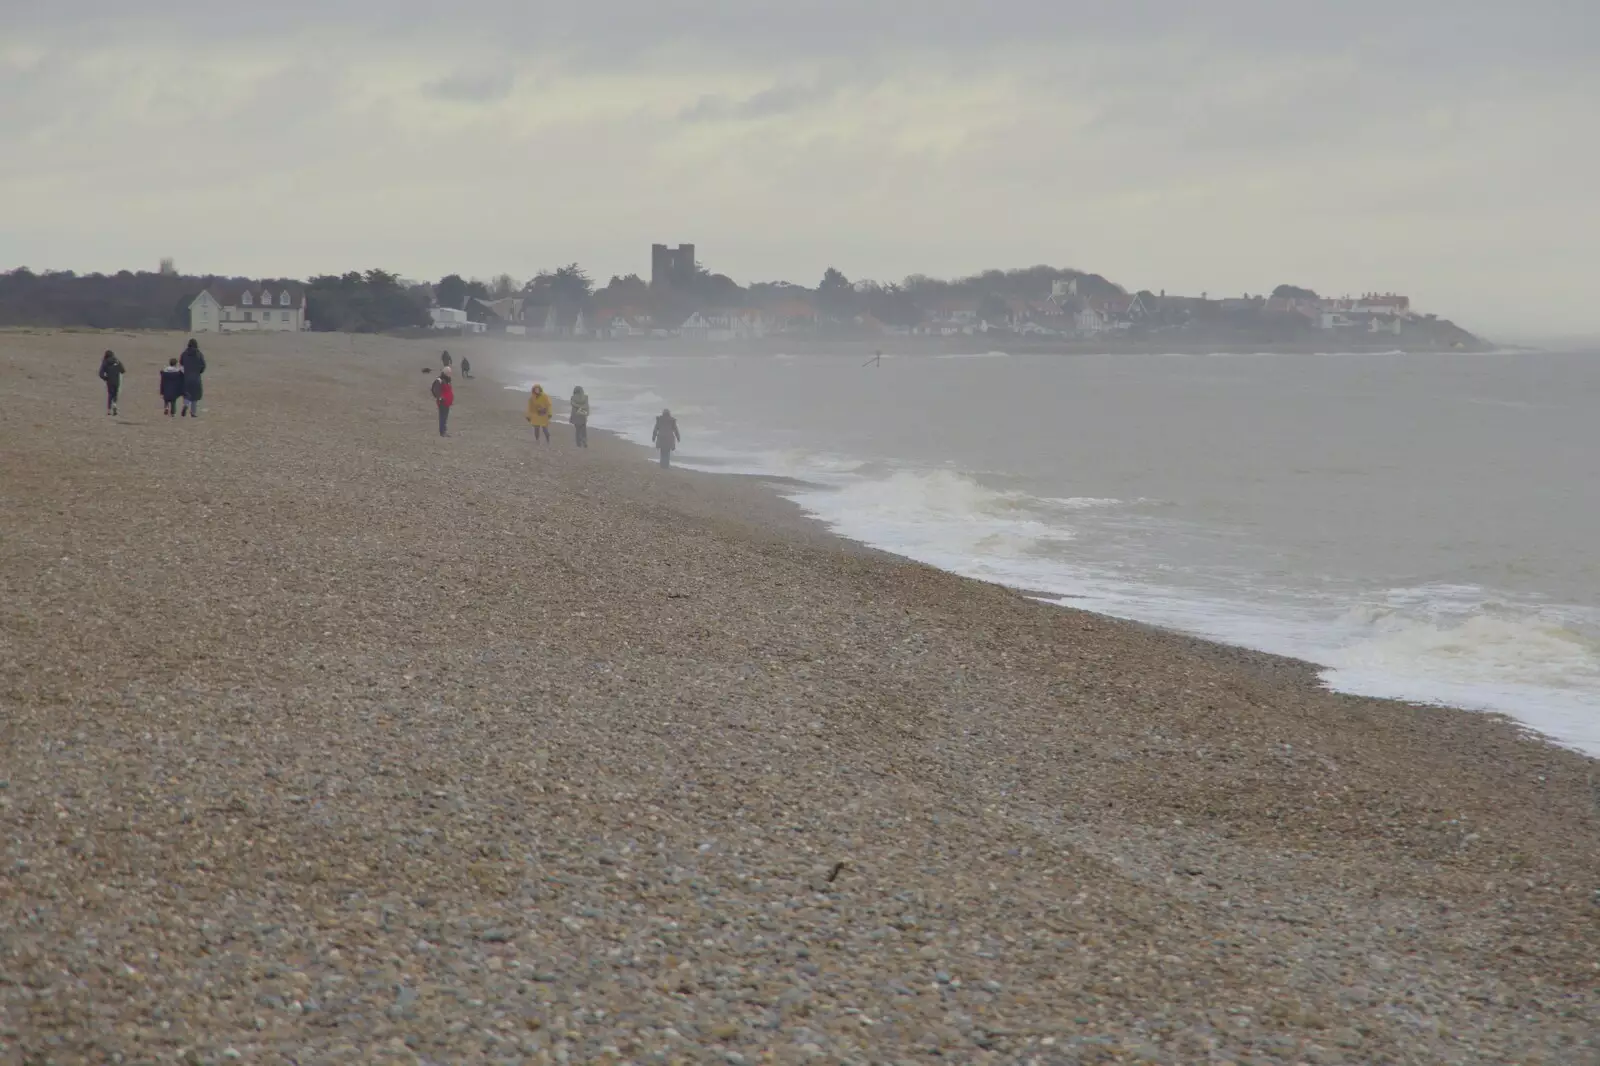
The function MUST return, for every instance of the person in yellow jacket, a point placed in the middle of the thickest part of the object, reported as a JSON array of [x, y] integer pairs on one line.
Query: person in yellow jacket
[[539, 413]]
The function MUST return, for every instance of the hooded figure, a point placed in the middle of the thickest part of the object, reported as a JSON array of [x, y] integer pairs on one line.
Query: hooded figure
[[580, 416], [539, 412], [444, 394], [666, 435], [111, 371], [171, 387], [193, 364], [466, 367]]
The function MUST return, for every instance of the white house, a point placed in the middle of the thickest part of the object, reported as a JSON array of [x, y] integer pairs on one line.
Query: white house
[[727, 326], [696, 327], [452, 318], [1091, 320], [259, 308], [620, 325]]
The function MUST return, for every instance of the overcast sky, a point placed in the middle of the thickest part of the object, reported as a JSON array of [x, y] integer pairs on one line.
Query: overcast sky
[[1448, 150]]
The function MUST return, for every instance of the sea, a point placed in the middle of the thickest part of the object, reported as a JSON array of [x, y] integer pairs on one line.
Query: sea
[[1424, 527]]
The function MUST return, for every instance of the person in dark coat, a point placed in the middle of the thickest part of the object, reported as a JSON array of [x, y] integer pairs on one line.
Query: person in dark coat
[[171, 387], [666, 436], [111, 371], [193, 364], [466, 367]]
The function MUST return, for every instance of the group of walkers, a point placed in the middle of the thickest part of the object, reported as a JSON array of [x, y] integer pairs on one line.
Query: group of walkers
[[665, 436], [541, 410], [180, 382]]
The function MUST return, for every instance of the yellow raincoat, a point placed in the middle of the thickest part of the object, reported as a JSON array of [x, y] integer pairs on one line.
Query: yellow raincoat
[[539, 408]]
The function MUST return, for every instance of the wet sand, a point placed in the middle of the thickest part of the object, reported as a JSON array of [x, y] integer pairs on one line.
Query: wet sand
[[325, 739]]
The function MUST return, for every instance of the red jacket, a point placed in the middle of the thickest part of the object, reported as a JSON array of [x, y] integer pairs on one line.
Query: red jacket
[[447, 395]]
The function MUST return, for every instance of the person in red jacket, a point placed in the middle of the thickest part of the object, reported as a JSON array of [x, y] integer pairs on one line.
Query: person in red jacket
[[445, 396]]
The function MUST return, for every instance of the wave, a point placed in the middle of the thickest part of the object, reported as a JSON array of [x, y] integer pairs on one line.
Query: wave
[[975, 355], [1485, 644], [1526, 661]]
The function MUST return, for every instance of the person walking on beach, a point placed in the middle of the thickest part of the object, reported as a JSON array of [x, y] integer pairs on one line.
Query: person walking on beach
[[539, 413], [666, 435], [111, 371], [466, 367], [580, 416], [445, 396], [171, 387], [193, 364], [444, 359]]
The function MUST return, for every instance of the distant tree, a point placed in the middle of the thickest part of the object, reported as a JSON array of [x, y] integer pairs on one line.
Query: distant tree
[[451, 291], [836, 297], [1293, 292], [890, 304], [125, 300], [629, 290], [504, 285], [168, 266], [993, 309], [568, 290], [716, 291], [370, 302], [568, 285]]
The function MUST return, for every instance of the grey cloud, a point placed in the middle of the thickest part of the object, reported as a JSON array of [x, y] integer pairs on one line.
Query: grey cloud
[[1434, 33], [1154, 140], [768, 103], [470, 88]]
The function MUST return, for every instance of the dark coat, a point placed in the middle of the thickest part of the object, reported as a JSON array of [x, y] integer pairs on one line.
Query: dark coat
[[171, 383], [193, 364], [666, 435], [111, 370]]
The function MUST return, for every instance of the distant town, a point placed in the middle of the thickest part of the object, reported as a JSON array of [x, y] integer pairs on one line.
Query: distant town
[[682, 299]]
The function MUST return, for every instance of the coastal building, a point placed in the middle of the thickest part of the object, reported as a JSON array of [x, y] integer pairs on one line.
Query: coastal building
[[504, 315], [724, 326], [622, 324], [1348, 310], [455, 318], [266, 307], [672, 268], [1387, 303], [1091, 320]]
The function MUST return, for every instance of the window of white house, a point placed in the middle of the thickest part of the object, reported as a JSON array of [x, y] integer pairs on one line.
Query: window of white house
[[284, 299], [283, 316], [246, 300]]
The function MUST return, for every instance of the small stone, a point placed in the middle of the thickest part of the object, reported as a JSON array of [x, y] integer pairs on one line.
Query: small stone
[[1346, 1037]]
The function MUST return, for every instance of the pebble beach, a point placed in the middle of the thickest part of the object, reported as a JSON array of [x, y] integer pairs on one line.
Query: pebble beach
[[325, 739]]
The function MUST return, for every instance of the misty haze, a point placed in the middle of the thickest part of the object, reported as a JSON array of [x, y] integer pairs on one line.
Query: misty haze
[[799, 533]]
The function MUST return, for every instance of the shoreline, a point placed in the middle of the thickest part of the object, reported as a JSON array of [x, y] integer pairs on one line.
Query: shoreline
[[327, 739], [1269, 663]]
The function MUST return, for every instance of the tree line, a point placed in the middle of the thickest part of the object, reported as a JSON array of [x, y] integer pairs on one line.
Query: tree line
[[379, 301]]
